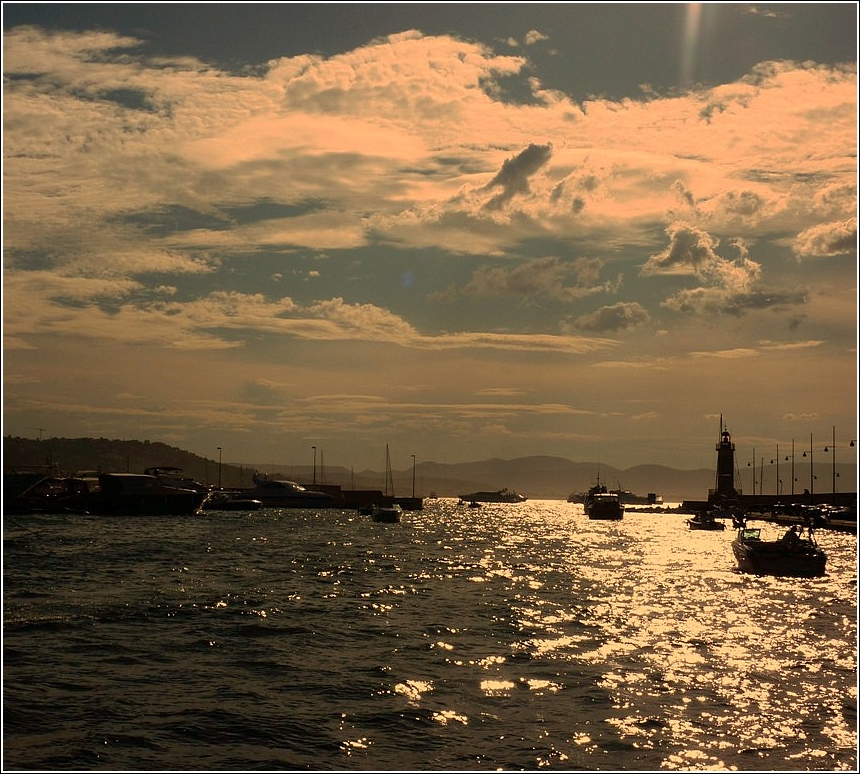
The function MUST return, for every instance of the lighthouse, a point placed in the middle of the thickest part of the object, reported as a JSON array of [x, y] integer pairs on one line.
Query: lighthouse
[[725, 464]]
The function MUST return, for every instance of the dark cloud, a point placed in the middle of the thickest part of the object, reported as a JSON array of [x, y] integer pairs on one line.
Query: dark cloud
[[513, 177], [689, 248], [710, 301], [620, 316]]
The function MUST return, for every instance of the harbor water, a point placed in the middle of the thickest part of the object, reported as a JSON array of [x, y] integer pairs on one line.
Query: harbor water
[[507, 637]]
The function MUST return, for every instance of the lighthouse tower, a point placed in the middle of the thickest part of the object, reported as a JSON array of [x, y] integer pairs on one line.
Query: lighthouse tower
[[725, 464]]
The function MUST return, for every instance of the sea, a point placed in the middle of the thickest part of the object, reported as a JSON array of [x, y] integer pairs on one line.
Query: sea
[[511, 637]]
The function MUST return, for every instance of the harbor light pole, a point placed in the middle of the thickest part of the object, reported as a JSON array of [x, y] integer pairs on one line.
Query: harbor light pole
[[792, 467], [832, 451], [219, 467], [811, 476], [776, 484], [413, 475], [753, 471]]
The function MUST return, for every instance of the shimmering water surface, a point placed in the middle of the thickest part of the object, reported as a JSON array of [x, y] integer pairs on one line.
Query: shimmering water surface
[[513, 637]]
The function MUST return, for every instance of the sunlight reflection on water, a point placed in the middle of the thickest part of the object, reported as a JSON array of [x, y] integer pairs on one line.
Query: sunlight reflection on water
[[508, 637]]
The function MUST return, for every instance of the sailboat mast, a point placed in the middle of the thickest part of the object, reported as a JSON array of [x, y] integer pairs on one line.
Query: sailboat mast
[[389, 478]]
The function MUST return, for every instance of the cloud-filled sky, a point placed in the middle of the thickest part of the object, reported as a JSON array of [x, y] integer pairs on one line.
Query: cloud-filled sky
[[463, 230]]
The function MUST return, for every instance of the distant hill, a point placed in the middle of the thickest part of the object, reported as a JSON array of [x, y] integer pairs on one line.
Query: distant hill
[[537, 477]]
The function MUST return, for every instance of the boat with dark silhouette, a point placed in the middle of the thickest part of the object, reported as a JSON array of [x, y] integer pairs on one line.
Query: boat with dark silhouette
[[119, 494], [795, 554], [386, 513], [499, 496], [387, 510], [280, 493], [706, 520], [602, 504]]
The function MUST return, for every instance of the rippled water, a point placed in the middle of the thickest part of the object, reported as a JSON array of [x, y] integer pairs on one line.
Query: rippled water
[[509, 637]]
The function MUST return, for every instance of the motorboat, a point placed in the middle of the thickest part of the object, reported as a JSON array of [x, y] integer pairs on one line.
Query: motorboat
[[108, 494], [604, 505], [705, 520], [386, 513], [171, 475], [795, 554], [600, 503], [280, 493], [499, 496]]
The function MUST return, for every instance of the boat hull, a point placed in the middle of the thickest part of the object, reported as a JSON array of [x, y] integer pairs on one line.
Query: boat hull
[[502, 496], [109, 494], [603, 506], [278, 493], [602, 515], [772, 557], [386, 514], [232, 504], [709, 524], [324, 501]]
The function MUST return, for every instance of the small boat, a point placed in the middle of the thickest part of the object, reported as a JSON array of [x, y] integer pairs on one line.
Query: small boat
[[386, 513], [280, 493], [601, 504], [387, 509], [792, 555], [705, 520], [500, 496]]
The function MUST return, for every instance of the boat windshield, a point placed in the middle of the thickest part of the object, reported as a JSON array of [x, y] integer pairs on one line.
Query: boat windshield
[[751, 534]]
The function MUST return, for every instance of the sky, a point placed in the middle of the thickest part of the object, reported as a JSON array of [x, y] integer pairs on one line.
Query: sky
[[465, 231]]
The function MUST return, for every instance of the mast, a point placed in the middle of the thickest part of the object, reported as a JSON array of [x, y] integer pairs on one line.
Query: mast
[[389, 479]]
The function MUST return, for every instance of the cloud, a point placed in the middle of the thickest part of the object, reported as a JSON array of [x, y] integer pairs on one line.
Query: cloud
[[178, 207], [513, 177], [690, 251], [541, 278], [533, 36], [746, 352], [620, 316], [730, 286], [828, 240]]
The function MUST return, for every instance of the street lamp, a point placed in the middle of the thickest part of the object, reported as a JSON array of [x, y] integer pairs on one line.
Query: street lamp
[[776, 483], [811, 477], [315, 463], [793, 479], [832, 451], [413, 475], [219, 467], [753, 471]]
